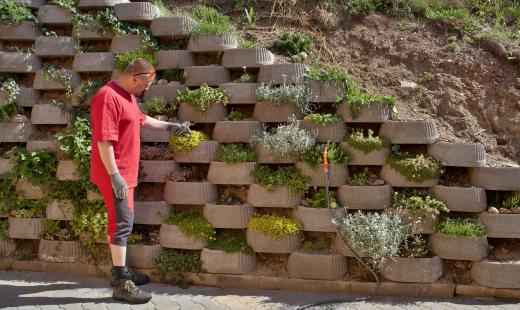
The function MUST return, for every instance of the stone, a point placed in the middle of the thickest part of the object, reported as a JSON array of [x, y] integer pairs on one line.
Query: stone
[[236, 131], [97, 4], [317, 219], [504, 211], [494, 274], [156, 171], [501, 225], [282, 73], [59, 46], [167, 92], [214, 113], [325, 92], [206, 152], [461, 199], [493, 210], [338, 174], [67, 170], [360, 158], [413, 270], [49, 114], [151, 212], [409, 132], [21, 32], [495, 178], [175, 59], [328, 133], [394, 178], [93, 62], [172, 27], [459, 248], [60, 251], [272, 113], [228, 216], [60, 210], [25, 228], [136, 11], [54, 15], [126, 43], [142, 256], [19, 62]]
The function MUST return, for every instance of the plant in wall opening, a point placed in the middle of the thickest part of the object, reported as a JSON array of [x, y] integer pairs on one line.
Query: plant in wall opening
[[211, 21], [28, 208], [4, 230], [357, 98], [324, 119], [415, 167], [298, 95], [270, 178], [246, 77], [187, 142], [235, 153], [8, 107], [331, 75], [202, 97], [173, 264], [231, 241], [286, 139], [511, 201], [53, 72], [88, 89], [462, 227], [319, 199], [365, 142], [36, 167], [236, 116], [192, 224], [57, 230], [158, 106], [274, 226], [419, 202], [314, 156]]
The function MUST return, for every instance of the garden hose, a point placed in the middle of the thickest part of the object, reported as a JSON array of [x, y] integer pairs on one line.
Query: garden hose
[[356, 256]]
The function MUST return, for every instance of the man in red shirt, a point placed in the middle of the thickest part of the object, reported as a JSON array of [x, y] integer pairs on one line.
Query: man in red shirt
[[116, 121]]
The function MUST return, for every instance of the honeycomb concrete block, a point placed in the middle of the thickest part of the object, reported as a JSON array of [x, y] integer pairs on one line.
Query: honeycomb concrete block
[[171, 236], [231, 174], [214, 113], [458, 155], [136, 11], [99, 4], [19, 62], [168, 92], [236, 131], [41, 84], [93, 62], [92, 30], [237, 58], [280, 197], [409, 132], [240, 93], [174, 59], [272, 113], [501, 225], [25, 228], [42, 145], [151, 212], [157, 171], [33, 4], [211, 75], [7, 247], [317, 266], [126, 43], [142, 256], [264, 156], [215, 261], [413, 270], [325, 92], [23, 31], [495, 274], [190, 193], [459, 248], [172, 27], [5, 166], [317, 219], [205, 153], [394, 178], [29, 191], [49, 114], [207, 43], [60, 251], [338, 174], [495, 178], [365, 197], [360, 158], [228, 216], [265, 244], [27, 97], [60, 210], [54, 15], [148, 135], [460, 199], [15, 132], [59, 46], [282, 73], [373, 113], [326, 133], [67, 170]]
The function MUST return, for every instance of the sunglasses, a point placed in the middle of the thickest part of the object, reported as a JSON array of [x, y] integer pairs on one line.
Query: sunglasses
[[150, 75]]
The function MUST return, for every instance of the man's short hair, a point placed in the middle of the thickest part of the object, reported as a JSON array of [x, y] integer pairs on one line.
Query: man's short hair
[[139, 66]]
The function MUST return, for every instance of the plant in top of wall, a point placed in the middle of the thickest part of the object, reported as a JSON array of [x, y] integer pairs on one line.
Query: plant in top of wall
[[38, 167], [246, 77], [123, 59], [187, 142], [324, 119], [335, 155], [319, 199], [511, 203], [53, 72], [462, 227], [192, 224], [57, 230], [235, 153], [231, 241], [416, 201], [12, 13], [286, 139], [367, 143], [296, 45], [415, 167], [274, 226], [331, 75], [356, 98], [270, 178], [8, 107], [158, 106], [173, 264], [202, 97], [298, 95], [211, 21]]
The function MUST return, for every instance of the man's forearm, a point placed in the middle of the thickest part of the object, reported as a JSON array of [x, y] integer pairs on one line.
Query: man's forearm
[[155, 124], [106, 152]]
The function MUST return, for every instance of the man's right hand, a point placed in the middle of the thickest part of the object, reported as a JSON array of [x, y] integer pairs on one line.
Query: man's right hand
[[119, 185]]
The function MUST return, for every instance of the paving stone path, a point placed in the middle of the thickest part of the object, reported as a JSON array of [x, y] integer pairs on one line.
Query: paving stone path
[[38, 290]]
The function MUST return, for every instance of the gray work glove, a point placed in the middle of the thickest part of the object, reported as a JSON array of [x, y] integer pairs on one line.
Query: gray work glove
[[179, 128], [119, 185]]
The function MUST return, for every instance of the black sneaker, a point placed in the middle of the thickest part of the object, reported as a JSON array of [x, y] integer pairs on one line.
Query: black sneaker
[[138, 279], [126, 290]]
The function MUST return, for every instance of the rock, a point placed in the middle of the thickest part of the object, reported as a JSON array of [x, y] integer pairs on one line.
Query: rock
[[501, 140], [504, 211], [162, 82], [379, 182], [516, 210], [493, 210], [406, 84]]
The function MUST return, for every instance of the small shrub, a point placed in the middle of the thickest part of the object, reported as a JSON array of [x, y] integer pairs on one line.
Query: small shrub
[[192, 224], [319, 200], [297, 95], [37, 167], [366, 143], [284, 176], [236, 116], [417, 168], [245, 43], [246, 78], [332, 75], [511, 201], [415, 201], [202, 97], [188, 142], [335, 155], [462, 227], [274, 226], [158, 106], [294, 44], [231, 241], [174, 75], [173, 264], [360, 178], [124, 59], [8, 107], [235, 153], [414, 246], [324, 119], [53, 230], [211, 21], [356, 99]]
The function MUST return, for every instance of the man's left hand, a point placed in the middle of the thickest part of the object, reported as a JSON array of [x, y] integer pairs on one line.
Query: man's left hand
[[178, 128]]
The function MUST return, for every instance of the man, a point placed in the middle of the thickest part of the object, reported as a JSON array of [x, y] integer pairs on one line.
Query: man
[[116, 121]]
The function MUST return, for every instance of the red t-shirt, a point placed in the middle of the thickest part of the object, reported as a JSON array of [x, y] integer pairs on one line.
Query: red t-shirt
[[116, 117]]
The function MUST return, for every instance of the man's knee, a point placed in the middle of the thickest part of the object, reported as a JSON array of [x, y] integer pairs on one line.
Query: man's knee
[[124, 222]]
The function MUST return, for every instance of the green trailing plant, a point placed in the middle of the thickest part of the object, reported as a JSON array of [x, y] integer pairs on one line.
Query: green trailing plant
[[335, 155], [8, 107], [319, 199], [365, 142], [231, 241], [356, 98], [88, 89], [511, 201], [173, 264], [286, 139], [4, 230], [270, 178], [415, 202], [28, 208], [235, 153], [415, 167], [78, 18], [202, 97], [52, 230], [187, 142], [324, 119], [135, 238], [294, 44], [12, 13], [158, 106], [298, 95], [53, 72], [274, 226], [236, 116], [89, 222], [67, 190], [462, 227], [211, 21], [192, 224], [124, 59], [36, 167]]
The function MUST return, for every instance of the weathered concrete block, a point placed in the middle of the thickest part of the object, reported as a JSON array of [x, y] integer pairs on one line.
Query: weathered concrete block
[[175, 59], [413, 270], [170, 236], [15, 132], [267, 112], [237, 58], [282, 73], [338, 174], [373, 113], [41, 84], [5, 166], [206, 43], [27, 97], [317, 219], [39, 145], [93, 62], [459, 248], [148, 135], [240, 93], [459, 155], [264, 156], [18, 62], [501, 225], [214, 261], [54, 15], [33, 4], [317, 266], [7, 247], [59, 46], [461, 199], [92, 30], [136, 11], [360, 158], [206, 152], [172, 27], [264, 244], [23, 31], [235, 173], [60, 251], [49, 114], [236, 131], [214, 113], [228, 216], [190, 193], [60, 210], [127, 43], [394, 178], [25, 228], [211, 75], [495, 178], [325, 92], [365, 197], [496, 274], [167, 92], [325, 133], [409, 132], [157, 170], [151, 212], [29, 191], [280, 197], [67, 170], [142, 256], [98, 4]]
